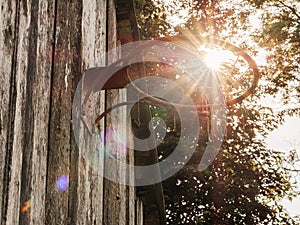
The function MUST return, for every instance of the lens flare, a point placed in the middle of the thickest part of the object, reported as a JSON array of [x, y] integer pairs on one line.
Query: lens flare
[[215, 57], [25, 207], [116, 145], [62, 183]]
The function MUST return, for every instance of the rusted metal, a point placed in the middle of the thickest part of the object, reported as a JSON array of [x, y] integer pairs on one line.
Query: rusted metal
[[121, 78]]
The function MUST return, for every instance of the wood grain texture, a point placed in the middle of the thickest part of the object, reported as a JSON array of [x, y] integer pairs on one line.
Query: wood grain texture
[[112, 196], [7, 101], [66, 67], [45, 46], [20, 136], [88, 197], [40, 98]]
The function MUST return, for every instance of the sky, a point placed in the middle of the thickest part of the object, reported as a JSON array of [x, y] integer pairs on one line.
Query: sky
[[286, 138]]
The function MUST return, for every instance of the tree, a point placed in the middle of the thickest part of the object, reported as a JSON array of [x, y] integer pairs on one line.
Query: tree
[[247, 179]]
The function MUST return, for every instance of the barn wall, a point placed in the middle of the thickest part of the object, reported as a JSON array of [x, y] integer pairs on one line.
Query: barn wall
[[45, 46]]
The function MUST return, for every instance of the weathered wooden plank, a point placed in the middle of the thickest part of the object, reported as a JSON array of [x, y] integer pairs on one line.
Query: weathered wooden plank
[[31, 91], [131, 194], [89, 199], [66, 67], [118, 193], [18, 133], [7, 59], [45, 46], [29, 114], [114, 193], [121, 123], [41, 108], [99, 51], [139, 212]]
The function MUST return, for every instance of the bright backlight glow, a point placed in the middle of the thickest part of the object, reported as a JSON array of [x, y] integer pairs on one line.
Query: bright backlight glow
[[215, 57]]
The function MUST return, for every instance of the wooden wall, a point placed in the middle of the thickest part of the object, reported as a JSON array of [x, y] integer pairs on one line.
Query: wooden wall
[[45, 45]]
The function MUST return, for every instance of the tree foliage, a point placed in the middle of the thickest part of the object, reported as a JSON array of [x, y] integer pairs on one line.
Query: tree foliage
[[246, 180], [242, 186]]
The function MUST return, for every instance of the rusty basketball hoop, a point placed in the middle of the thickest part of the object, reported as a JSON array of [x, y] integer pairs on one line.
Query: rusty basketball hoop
[[238, 76]]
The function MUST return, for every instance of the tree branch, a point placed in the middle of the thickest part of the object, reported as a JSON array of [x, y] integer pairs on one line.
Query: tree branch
[[292, 170], [292, 9]]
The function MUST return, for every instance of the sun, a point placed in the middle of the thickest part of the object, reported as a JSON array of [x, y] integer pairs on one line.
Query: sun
[[214, 58]]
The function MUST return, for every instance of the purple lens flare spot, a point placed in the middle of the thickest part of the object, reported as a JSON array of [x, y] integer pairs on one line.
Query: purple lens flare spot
[[62, 183]]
